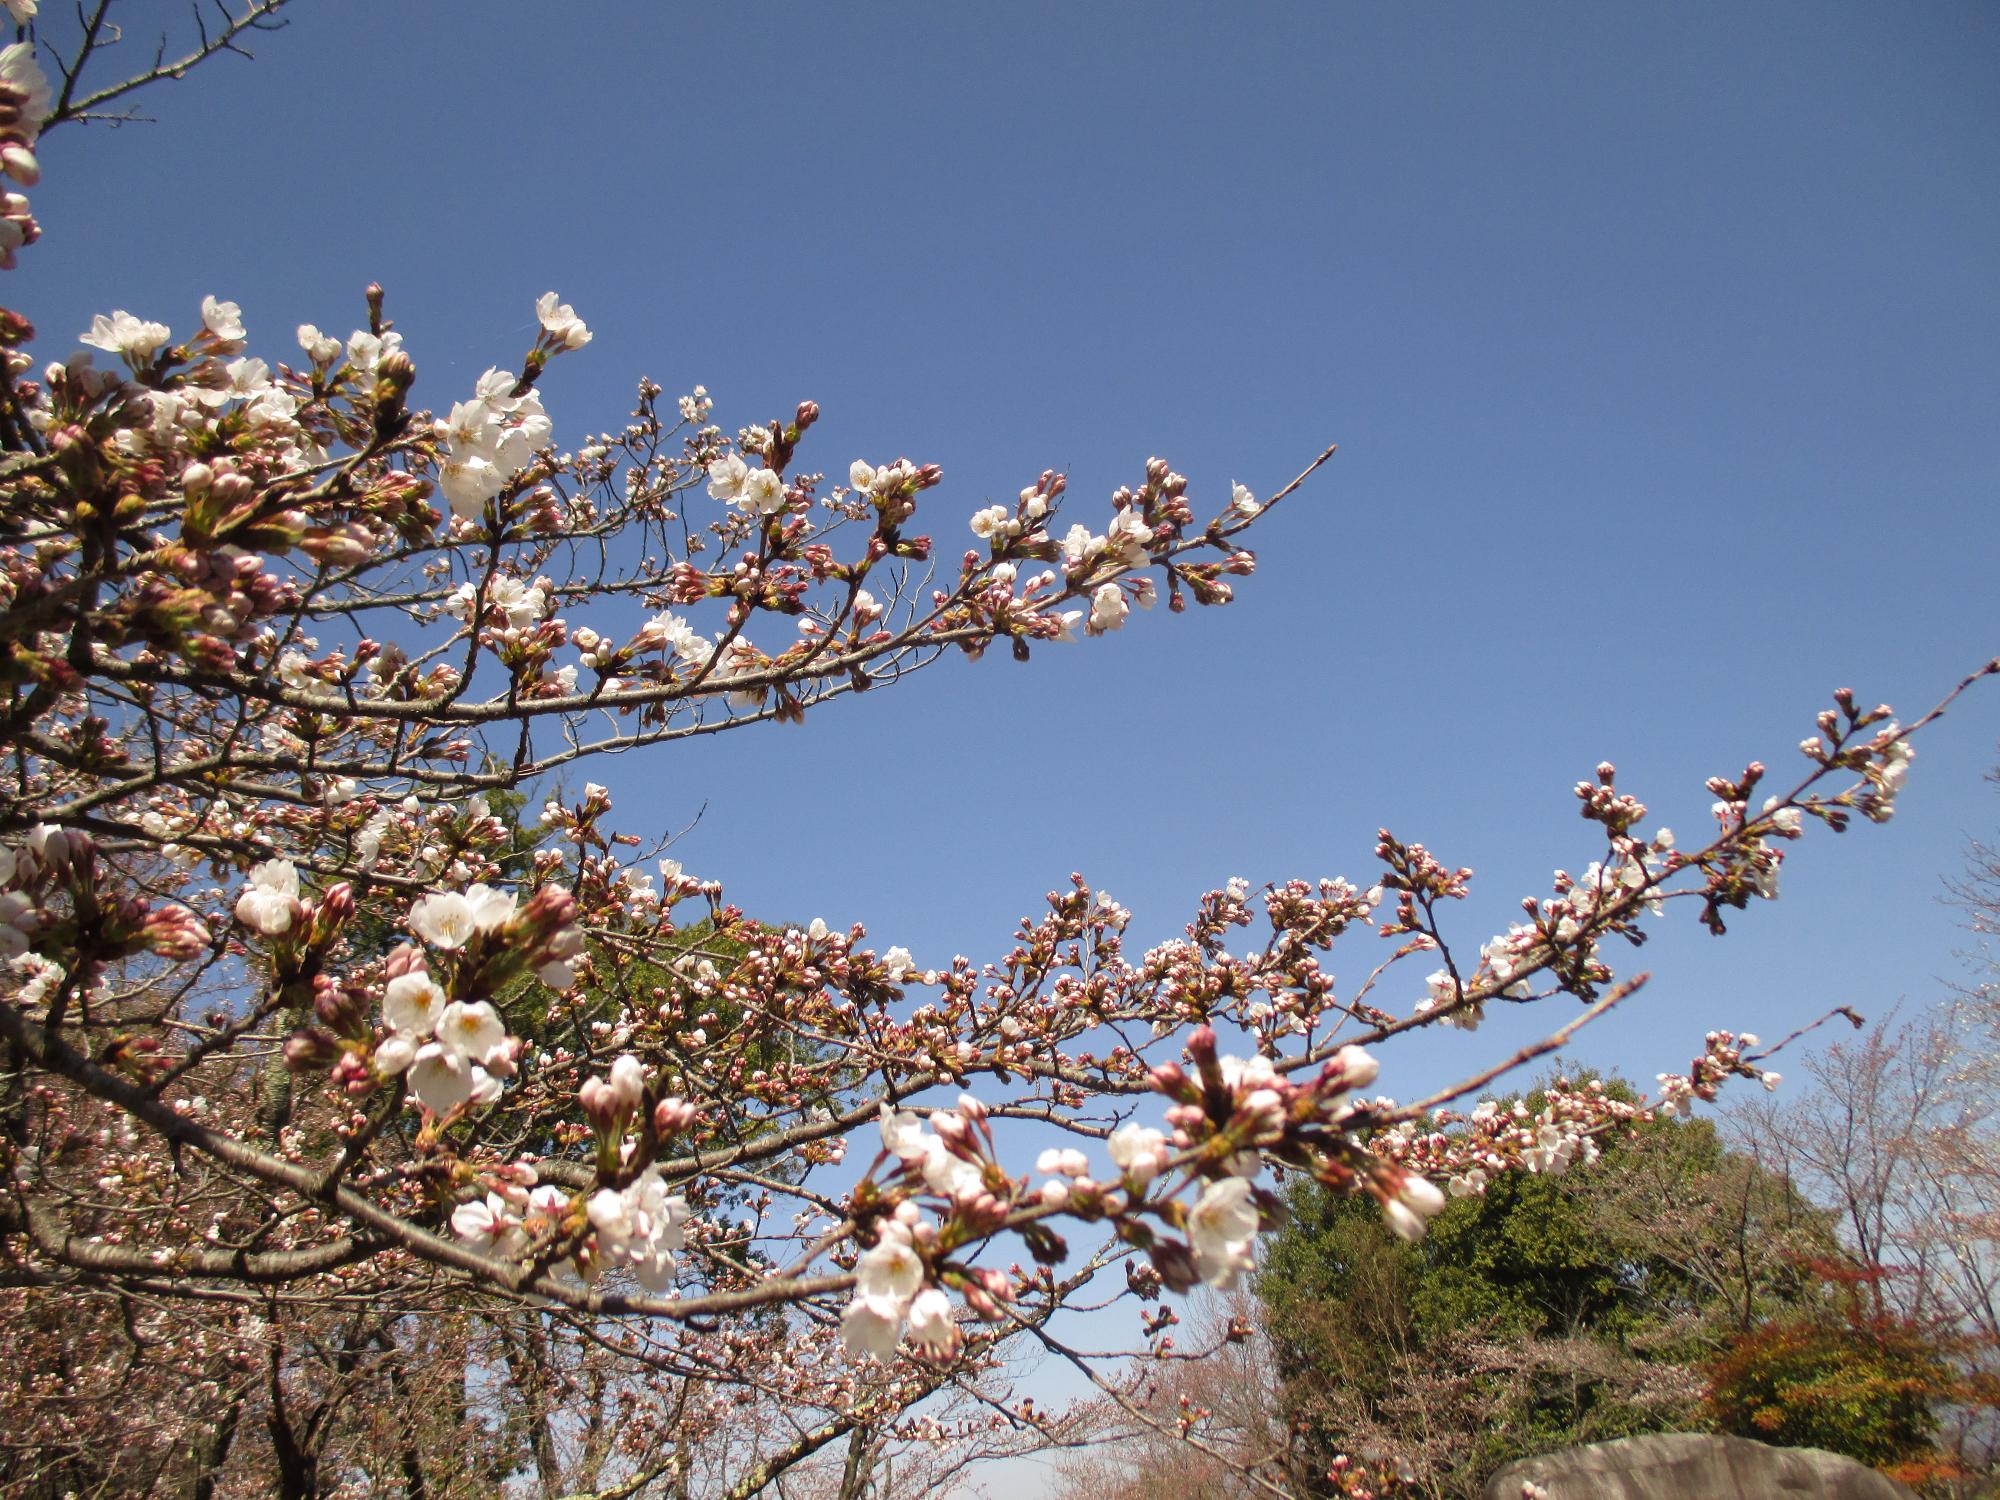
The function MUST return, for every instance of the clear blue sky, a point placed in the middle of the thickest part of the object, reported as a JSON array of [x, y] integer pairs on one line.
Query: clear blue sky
[[1659, 340]]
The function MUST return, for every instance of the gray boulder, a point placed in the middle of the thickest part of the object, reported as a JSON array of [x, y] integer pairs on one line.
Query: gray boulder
[[1694, 1466]]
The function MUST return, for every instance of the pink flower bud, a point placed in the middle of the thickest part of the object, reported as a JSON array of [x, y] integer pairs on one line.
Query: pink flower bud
[[337, 905], [309, 1049], [600, 1103], [672, 1116], [351, 1073], [175, 932]]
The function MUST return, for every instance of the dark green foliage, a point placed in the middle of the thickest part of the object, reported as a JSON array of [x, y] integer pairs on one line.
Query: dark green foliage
[[1549, 1311]]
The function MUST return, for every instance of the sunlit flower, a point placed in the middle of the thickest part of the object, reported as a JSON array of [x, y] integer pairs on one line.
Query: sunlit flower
[[222, 319], [763, 492], [472, 1030], [1414, 1204], [443, 920], [889, 1274], [271, 903], [868, 1329], [1107, 609], [1222, 1230], [441, 1078], [121, 333], [726, 477], [1139, 1151], [932, 1328], [902, 1134], [413, 1004], [559, 319]]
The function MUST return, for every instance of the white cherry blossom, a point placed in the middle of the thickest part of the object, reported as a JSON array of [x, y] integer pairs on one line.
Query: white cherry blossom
[[413, 1004], [1108, 609], [561, 321], [871, 1330], [444, 920], [726, 477], [1139, 1151], [121, 333], [471, 1029], [441, 1078], [1222, 1229], [932, 1327], [271, 903]]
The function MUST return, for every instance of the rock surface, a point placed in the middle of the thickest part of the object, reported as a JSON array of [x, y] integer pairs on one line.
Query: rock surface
[[1694, 1466]]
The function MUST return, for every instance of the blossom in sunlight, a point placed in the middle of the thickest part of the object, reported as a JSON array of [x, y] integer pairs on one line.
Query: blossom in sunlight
[[889, 1278], [469, 480], [762, 492], [413, 1004], [224, 320], [1139, 1151], [472, 1030], [394, 1054], [949, 1174], [640, 1227], [121, 333], [441, 1078], [1066, 1161], [890, 1272], [1108, 609], [1444, 991], [560, 321], [932, 1327], [995, 522], [726, 477], [1129, 538], [489, 1225], [443, 920], [247, 380], [1222, 1230], [488, 440], [450, 919], [25, 86], [902, 1134], [867, 1329], [320, 348], [1409, 1210], [271, 903]]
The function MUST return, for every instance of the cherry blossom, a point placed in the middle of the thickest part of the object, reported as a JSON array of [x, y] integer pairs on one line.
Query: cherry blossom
[[560, 321], [270, 904], [1222, 1228], [121, 333], [329, 640]]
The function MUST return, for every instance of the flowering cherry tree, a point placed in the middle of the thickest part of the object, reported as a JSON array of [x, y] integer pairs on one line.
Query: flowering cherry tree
[[336, 1078]]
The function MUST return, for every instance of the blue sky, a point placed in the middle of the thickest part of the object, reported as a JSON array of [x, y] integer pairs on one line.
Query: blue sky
[[1659, 343]]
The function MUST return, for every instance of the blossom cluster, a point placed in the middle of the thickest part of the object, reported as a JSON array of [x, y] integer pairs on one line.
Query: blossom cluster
[[331, 643], [487, 441], [24, 101]]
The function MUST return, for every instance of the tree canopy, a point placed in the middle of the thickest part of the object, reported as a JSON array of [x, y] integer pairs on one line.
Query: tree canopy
[[1542, 1310], [365, 1127]]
